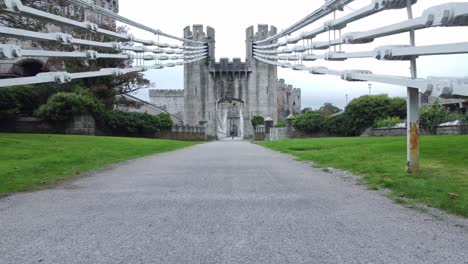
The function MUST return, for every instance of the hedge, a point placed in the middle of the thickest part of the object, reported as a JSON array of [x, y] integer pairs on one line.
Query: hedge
[[134, 124]]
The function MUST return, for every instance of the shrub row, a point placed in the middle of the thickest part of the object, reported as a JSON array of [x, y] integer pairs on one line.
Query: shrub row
[[134, 124], [45, 102], [360, 114], [431, 117], [376, 111]]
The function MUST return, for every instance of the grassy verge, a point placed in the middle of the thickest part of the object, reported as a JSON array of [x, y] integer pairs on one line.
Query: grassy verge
[[29, 162], [443, 182]]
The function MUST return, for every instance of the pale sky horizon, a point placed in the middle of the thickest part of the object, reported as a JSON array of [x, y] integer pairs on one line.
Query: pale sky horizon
[[231, 20]]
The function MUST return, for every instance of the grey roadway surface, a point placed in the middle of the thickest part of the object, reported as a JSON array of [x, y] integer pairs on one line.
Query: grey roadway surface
[[222, 202]]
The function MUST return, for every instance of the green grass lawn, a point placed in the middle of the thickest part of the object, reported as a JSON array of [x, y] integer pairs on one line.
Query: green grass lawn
[[29, 162], [382, 162]]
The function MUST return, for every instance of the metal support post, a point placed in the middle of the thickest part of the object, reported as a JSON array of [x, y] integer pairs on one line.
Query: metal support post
[[413, 110]]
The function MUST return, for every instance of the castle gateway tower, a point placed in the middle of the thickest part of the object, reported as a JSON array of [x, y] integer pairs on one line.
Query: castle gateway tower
[[224, 96]]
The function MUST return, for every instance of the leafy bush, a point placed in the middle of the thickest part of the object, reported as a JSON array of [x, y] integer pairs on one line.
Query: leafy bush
[[258, 121], [431, 117], [8, 105], [464, 119], [280, 124], [129, 123], [64, 105], [364, 111], [24, 99], [338, 125], [166, 122], [387, 122], [311, 122]]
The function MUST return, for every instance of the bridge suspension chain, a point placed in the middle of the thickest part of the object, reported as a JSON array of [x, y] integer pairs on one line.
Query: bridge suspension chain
[[143, 51], [444, 15], [329, 7]]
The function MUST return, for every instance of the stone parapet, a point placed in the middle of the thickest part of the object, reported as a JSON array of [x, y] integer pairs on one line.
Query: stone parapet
[[166, 93], [225, 65]]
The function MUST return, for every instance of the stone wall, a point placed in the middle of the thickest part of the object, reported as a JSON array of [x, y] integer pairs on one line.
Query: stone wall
[[401, 132], [141, 106], [209, 85], [388, 132], [79, 125], [279, 133], [289, 100], [171, 101], [452, 130], [85, 125]]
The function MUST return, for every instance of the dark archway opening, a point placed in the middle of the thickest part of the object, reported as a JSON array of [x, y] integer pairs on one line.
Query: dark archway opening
[[28, 67]]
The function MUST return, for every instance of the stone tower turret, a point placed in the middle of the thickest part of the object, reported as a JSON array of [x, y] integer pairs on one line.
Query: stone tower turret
[[196, 76], [225, 95], [263, 82]]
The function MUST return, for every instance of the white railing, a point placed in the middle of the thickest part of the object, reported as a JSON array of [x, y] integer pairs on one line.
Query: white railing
[[287, 53], [446, 15]]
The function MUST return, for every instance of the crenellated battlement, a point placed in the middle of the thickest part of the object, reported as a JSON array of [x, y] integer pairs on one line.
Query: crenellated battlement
[[212, 89], [225, 65], [166, 93], [198, 32], [263, 31]]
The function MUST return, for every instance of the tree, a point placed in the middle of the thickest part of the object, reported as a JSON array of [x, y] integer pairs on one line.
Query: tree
[[258, 121], [307, 109], [311, 122], [329, 109], [339, 125], [280, 124], [364, 111]]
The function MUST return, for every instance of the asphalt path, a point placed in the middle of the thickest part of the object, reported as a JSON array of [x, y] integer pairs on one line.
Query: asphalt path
[[221, 202]]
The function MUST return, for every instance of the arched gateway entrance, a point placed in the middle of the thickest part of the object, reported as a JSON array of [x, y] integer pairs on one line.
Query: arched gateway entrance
[[230, 118]]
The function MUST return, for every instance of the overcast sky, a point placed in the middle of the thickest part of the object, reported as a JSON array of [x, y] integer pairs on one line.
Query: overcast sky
[[231, 18]]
